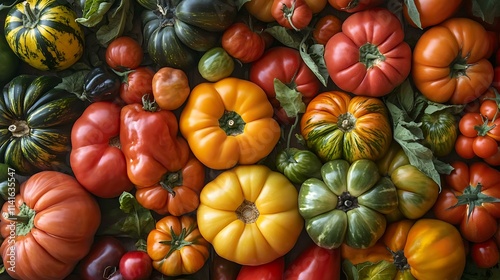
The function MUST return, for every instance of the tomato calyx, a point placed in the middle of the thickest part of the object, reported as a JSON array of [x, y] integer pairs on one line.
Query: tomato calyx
[[232, 123], [178, 241], [346, 122], [483, 129], [459, 66], [247, 212], [472, 196], [25, 219], [19, 128], [288, 14], [370, 55], [347, 202], [148, 104], [109, 271], [170, 181], [400, 260]]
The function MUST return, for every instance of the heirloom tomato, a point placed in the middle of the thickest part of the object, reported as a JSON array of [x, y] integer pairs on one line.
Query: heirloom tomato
[[429, 12], [177, 193], [249, 214], [267, 271], [229, 122], [450, 63], [151, 143], [352, 6], [170, 88], [223, 269], [369, 57], [417, 192], [298, 165], [336, 125], [124, 53], [176, 246], [103, 259], [485, 254], [136, 83], [470, 199], [347, 205], [292, 14], [286, 65], [49, 227], [243, 43], [262, 9], [136, 265], [315, 262], [483, 132], [96, 157], [440, 131], [327, 26], [215, 64], [417, 249]]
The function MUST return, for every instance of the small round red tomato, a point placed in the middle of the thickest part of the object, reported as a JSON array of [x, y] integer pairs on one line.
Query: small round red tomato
[[463, 147], [489, 109], [243, 43], [431, 12], [136, 84], [325, 28], [484, 146], [292, 14], [493, 160], [468, 122], [124, 53], [170, 88], [136, 265], [485, 254]]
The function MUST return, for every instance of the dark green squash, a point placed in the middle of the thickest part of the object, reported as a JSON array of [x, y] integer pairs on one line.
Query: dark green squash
[[35, 124], [176, 30]]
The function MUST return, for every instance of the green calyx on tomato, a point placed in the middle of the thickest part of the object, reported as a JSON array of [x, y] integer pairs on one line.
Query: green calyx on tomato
[[232, 123], [370, 55], [472, 196], [25, 220]]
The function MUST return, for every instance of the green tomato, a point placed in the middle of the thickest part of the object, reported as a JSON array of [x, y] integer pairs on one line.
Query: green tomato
[[347, 205], [298, 165], [440, 132], [9, 62], [215, 64]]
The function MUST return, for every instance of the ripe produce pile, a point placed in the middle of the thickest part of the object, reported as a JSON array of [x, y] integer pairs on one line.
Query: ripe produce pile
[[250, 139]]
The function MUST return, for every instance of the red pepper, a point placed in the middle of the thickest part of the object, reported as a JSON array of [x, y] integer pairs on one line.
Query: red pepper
[[315, 263]]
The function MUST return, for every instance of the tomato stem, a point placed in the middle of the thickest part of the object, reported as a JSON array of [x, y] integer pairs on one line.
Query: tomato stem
[[473, 197], [288, 14], [370, 55], [178, 240], [347, 202], [148, 103], [399, 259], [232, 123], [170, 181], [247, 212]]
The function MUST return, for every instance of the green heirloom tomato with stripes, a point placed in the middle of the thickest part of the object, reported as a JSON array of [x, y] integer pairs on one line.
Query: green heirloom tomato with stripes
[[348, 204]]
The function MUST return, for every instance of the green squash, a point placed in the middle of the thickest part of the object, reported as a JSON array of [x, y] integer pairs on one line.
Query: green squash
[[347, 205], [35, 124]]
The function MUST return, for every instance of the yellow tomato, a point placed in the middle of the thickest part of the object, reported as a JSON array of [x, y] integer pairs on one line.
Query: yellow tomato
[[250, 214], [229, 122]]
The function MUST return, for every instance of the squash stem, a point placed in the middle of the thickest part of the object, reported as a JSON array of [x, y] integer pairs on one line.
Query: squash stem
[[31, 20]]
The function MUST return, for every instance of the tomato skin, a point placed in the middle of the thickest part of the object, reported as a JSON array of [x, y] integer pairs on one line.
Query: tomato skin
[[292, 14], [463, 147], [468, 122], [316, 263], [170, 88], [105, 252], [136, 265], [136, 84], [485, 254], [348, 6], [365, 63], [325, 28], [484, 146], [124, 53], [215, 64], [223, 269], [261, 9], [488, 109], [268, 271], [243, 43], [432, 12], [493, 160]]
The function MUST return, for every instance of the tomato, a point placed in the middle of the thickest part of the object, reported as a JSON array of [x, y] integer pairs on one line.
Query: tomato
[[326, 26], [10, 62], [463, 147], [351, 6], [485, 254], [262, 9], [489, 109], [468, 122], [223, 269], [170, 88], [315, 263], [292, 14], [493, 160], [450, 63], [136, 83], [496, 77], [440, 131], [369, 57], [96, 157], [103, 258], [268, 271], [124, 53], [250, 214], [469, 198], [243, 43], [431, 12], [484, 146], [136, 265], [215, 64]]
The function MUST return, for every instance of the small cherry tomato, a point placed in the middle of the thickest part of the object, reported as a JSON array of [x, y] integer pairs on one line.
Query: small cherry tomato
[[485, 254], [135, 84], [489, 109], [484, 146], [468, 122], [216, 64], [494, 160], [170, 88], [243, 43], [463, 147], [292, 14], [124, 53], [136, 265]]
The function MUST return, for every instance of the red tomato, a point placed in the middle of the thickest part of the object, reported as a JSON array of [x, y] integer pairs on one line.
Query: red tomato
[[369, 57], [243, 43], [493, 160], [136, 84], [354, 6], [136, 265], [124, 53], [489, 109], [463, 147], [292, 14], [269, 271], [468, 122], [315, 263], [485, 254], [432, 12], [327, 26], [484, 146]]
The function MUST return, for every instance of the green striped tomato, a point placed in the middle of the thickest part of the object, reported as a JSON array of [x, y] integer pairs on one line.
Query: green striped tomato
[[440, 131], [347, 205], [336, 125], [44, 34]]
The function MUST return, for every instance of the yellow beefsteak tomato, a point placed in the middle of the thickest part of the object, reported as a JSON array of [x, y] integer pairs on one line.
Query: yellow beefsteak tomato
[[250, 214], [229, 122]]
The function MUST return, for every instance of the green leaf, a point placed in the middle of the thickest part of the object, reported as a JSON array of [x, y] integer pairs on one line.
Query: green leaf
[[313, 57], [6, 4], [74, 83], [290, 99], [285, 36], [413, 12], [369, 271], [94, 11], [487, 10], [119, 19]]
